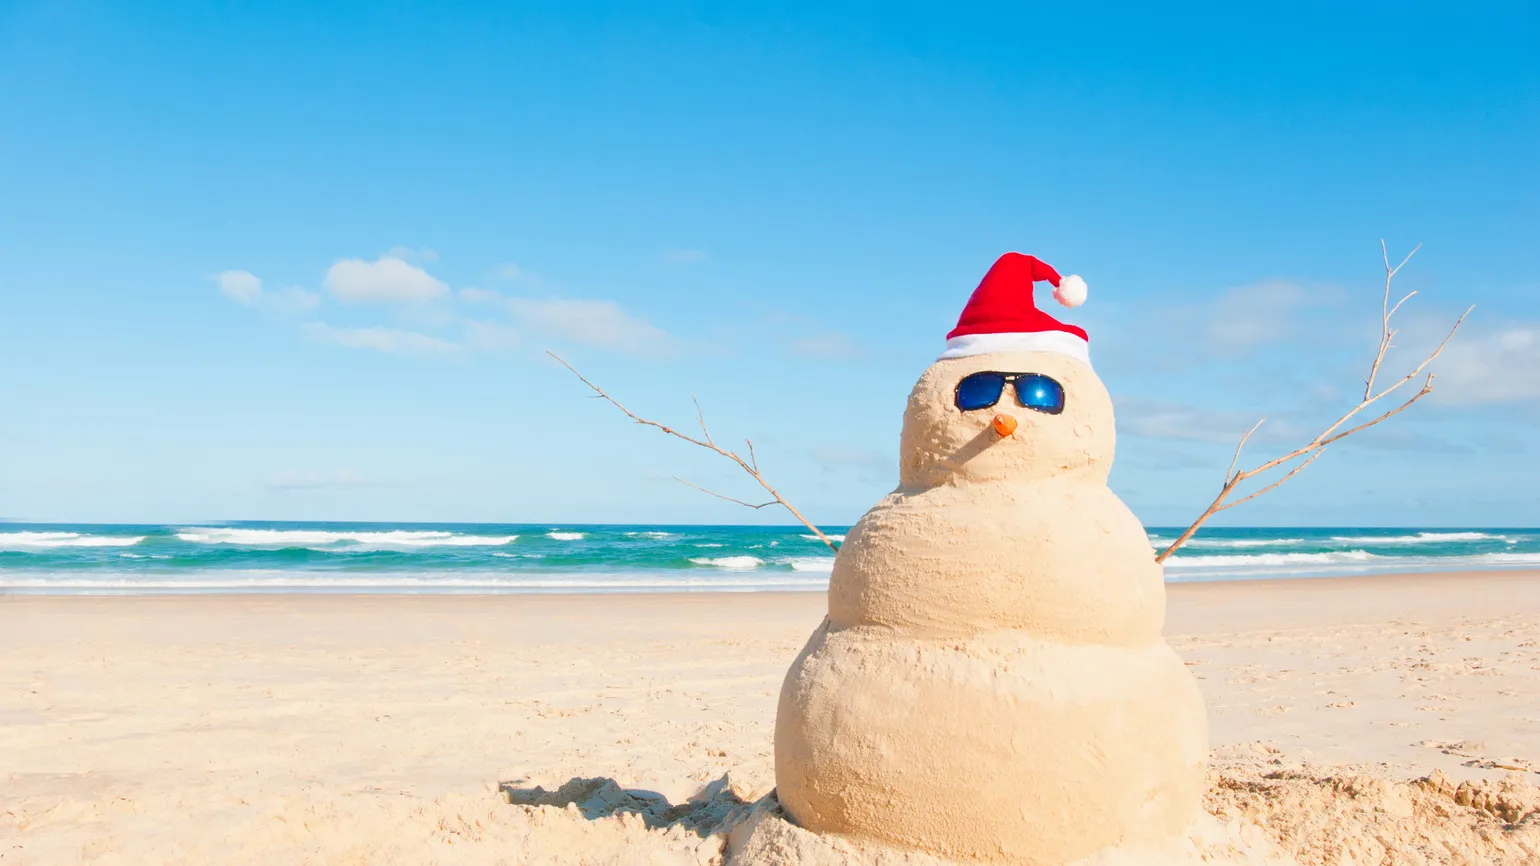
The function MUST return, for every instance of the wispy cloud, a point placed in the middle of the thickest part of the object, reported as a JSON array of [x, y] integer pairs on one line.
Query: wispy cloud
[[1166, 457], [680, 257], [826, 346], [1490, 366], [1386, 438], [480, 296], [508, 272], [244, 288], [379, 339], [482, 336], [1152, 419], [387, 279], [1247, 318], [599, 324], [428, 319]]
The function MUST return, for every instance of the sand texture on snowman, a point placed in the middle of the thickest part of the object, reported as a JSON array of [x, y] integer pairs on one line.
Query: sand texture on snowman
[[991, 683]]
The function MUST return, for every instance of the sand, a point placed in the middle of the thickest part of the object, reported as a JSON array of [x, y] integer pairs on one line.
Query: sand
[[345, 729]]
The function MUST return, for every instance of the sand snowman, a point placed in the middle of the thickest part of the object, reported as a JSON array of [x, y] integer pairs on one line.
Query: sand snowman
[[991, 683]]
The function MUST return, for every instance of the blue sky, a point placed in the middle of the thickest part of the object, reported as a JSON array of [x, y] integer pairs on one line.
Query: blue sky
[[301, 260]]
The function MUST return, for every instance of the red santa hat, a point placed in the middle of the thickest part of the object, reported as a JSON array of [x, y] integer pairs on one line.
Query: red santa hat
[[1001, 316]]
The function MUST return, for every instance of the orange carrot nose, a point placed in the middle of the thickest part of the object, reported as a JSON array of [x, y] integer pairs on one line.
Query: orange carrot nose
[[1004, 424]]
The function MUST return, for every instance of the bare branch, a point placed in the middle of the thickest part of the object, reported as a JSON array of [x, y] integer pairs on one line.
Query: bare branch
[[1230, 473], [1386, 311], [1291, 473], [700, 416], [1427, 388], [1408, 258], [1313, 449], [728, 498], [1398, 306], [751, 466]]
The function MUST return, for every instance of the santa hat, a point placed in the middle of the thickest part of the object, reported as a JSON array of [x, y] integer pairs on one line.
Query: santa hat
[[1002, 317]]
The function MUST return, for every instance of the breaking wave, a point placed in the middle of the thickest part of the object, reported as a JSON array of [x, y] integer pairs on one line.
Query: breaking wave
[[32, 540], [310, 537]]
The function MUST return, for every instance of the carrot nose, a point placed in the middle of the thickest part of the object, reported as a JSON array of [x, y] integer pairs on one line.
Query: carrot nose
[[1004, 424]]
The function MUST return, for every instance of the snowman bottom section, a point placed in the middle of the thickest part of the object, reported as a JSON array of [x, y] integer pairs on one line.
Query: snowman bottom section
[[1002, 747]]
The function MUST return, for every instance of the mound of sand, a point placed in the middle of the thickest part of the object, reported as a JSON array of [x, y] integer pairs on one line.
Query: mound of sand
[[1322, 817], [1259, 812]]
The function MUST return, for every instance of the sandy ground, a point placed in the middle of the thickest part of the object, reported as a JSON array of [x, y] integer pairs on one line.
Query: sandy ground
[[341, 729]]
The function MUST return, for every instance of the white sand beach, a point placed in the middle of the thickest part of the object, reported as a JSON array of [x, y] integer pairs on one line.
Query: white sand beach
[[396, 729]]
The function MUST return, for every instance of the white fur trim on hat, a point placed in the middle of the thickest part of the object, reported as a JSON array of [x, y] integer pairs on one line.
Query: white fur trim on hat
[[1071, 291], [1062, 342]]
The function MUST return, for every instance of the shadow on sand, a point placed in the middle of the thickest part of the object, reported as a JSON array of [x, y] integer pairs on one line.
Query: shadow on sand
[[717, 807]]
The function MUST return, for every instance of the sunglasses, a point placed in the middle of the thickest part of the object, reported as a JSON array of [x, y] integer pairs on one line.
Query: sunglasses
[[1033, 390]]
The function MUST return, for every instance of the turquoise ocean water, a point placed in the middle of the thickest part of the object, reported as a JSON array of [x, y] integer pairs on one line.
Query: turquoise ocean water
[[478, 558]]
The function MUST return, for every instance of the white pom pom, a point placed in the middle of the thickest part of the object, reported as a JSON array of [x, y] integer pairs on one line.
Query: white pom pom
[[1071, 291]]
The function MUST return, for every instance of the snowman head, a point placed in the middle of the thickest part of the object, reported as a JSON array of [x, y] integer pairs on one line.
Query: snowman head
[[1014, 395]]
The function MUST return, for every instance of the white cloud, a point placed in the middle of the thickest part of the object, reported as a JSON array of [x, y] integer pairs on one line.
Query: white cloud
[[1151, 419], [1169, 421], [1489, 367], [1245, 318], [379, 339], [245, 289], [479, 296], [293, 300], [602, 324], [509, 272], [387, 279], [242, 287], [454, 325], [490, 336], [1384, 437], [683, 256], [826, 346]]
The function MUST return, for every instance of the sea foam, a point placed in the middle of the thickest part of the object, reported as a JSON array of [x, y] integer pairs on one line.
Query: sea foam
[[34, 540], [309, 537], [1419, 538], [824, 564], [1242, 542], [733, 562], [1341, 557]]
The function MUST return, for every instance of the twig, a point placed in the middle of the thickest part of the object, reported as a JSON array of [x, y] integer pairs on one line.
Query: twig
[[750, 465], [728, 498], [1315, 447], [1242, 444]]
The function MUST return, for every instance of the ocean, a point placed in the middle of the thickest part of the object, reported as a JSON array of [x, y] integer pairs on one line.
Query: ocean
[[503, 558]]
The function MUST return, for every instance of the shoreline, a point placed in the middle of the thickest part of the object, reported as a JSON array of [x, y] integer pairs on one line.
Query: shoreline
[[1179, 586], [493, 559]]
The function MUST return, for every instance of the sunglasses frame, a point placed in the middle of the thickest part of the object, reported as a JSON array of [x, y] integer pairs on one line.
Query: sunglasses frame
[[1011, 380]]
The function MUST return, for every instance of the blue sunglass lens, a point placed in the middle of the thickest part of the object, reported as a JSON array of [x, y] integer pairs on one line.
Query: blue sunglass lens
[[979, 391], [1040, 393]]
